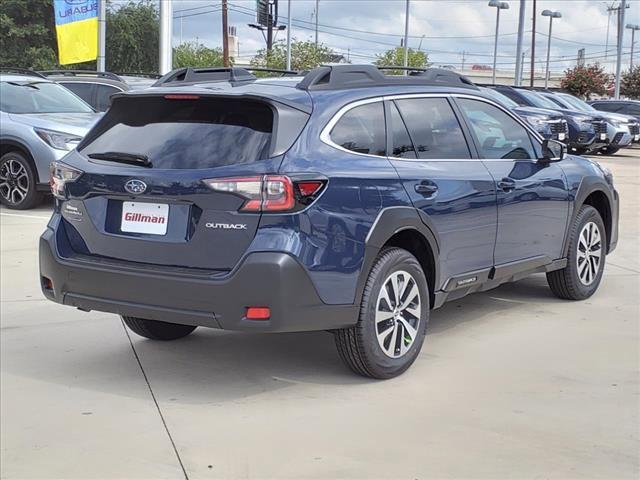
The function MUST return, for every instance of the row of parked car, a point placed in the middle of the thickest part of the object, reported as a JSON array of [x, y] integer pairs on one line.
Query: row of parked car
[[46, 114]]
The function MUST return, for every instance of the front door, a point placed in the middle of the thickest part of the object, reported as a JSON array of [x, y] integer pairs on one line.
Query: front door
[[533, 199]]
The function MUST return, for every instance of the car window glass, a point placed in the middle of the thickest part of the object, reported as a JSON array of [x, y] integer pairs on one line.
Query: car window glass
[[103, 96], [362, 130], [83, 90], [39, 97], [513, 96], [499, 135], [633, 110], [608, 106], [401, 142], [434, 128]]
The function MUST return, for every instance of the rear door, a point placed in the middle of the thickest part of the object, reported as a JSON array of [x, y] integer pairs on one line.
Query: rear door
[[165, 213], [455, 191], [533, 199]]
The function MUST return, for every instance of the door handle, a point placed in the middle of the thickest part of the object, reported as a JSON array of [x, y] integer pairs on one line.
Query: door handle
[[426, 189], [507, 184]]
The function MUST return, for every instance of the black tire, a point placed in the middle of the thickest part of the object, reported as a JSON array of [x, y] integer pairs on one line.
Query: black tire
[[18, 192], [359, 346], [609, 150], [567, 283], [157, 330]]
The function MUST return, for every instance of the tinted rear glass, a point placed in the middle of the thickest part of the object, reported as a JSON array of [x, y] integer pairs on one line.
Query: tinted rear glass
[[202, 133], [362, 130]]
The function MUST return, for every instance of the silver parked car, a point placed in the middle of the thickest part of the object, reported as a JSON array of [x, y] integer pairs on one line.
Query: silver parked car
[[40, 121]]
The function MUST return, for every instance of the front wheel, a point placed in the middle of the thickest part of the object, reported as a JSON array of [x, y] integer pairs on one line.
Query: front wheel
[[157, 330], [585, 260], [18, 188], [609, 150], [393, 318]]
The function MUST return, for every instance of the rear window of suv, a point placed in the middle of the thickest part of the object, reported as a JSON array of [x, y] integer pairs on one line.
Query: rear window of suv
[[185, 134]]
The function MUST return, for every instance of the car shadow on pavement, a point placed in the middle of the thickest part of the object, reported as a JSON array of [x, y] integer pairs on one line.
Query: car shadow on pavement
[[212, 366]]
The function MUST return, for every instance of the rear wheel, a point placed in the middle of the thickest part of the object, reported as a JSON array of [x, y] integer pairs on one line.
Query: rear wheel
[[157, 330], [585, 263], [393, 318], [18, 182]]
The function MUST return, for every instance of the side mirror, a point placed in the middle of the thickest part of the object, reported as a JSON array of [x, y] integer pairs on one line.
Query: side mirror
[[553, 151]]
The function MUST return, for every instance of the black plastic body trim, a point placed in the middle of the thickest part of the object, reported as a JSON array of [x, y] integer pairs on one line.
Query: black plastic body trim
[[265, 279]]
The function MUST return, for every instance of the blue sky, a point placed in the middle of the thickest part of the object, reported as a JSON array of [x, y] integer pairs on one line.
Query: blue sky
[[362, 28]]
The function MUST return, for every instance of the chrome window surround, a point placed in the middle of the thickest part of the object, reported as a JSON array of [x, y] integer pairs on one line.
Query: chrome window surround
[[325, 135]]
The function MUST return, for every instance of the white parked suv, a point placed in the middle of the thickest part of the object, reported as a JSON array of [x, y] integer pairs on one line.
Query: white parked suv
[[40, 121]]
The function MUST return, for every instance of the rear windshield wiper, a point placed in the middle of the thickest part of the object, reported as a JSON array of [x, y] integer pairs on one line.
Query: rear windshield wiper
[[123, 157]]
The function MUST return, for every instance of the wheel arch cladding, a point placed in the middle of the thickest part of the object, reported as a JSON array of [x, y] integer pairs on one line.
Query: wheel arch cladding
[[403, 227], [8, 146], [599, 200]]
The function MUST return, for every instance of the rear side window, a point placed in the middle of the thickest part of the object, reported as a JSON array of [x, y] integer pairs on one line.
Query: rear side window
[[498, 135], [362, 130], [103, 96], [608, 106], [201, 133], [434, 128]]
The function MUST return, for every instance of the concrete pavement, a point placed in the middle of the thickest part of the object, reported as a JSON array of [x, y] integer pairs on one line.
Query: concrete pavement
[[511, 383]]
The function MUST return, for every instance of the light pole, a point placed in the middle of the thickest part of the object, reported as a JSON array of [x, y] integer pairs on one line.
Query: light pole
[[499, 6], [633, 29], [622, 11], [551, 15], [519, 56], [166, 23], [406, 37]]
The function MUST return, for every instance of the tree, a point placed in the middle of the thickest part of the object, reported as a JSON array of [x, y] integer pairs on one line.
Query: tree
[[27, 35], [193, 54], [133, 37], [305, 55], [630, 84], [395, 57], [584, 81]]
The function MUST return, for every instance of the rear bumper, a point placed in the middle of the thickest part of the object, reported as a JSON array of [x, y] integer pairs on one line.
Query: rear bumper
[[265, 279]]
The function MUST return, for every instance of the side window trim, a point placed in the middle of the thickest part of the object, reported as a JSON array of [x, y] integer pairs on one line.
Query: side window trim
[[388, 104]]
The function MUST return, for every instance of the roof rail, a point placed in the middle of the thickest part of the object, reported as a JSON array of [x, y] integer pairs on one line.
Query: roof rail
[[23, 71], [139, 74], [284, 72], [190, 75], [73, 73], [337, 77]]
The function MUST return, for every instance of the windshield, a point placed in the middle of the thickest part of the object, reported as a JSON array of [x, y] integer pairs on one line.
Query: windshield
[[500, 98], [577, 103], [39, 97], [538, 100]]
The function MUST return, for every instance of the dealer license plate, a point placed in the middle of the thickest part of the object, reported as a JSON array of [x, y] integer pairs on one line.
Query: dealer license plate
[[151, 218]]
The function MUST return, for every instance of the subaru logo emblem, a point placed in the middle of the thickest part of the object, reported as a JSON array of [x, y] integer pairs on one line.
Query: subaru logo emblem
[[135, 186]]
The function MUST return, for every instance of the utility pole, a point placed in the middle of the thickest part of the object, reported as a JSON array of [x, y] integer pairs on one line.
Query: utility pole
[[406, 37], [289, 35], [101, 64], [610, 10], [225, 33], [270, 28], [317, 11], [533, 46], [166, 13], [519, 56], [623, 7]]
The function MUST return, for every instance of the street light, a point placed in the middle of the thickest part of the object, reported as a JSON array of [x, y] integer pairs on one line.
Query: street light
[[551, 15], [633, 29], [499, 6]]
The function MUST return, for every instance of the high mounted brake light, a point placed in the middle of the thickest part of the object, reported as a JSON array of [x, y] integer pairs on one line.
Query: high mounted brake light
[[267, 193], [181, 96]]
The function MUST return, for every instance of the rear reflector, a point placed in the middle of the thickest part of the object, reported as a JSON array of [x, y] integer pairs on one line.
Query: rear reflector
[[258, 313], [47, 284], [310, 187]]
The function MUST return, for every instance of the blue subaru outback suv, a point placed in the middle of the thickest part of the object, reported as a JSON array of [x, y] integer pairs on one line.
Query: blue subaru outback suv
[[345, 200]]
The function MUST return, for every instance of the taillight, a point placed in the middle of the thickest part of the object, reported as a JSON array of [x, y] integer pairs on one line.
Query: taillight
[[59, 175], [268, 193]]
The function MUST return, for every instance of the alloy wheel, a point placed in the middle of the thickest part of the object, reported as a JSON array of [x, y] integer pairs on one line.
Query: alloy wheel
[[14, 182], [398, 314], [589, 253]]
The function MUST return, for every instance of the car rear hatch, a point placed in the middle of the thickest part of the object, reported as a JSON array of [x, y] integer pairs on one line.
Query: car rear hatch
[[141, 192]]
